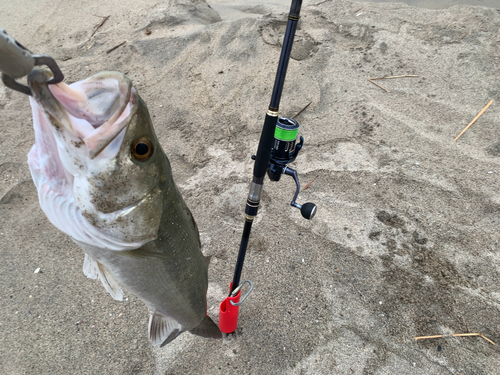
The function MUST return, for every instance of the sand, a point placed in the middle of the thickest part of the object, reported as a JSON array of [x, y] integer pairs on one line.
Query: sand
[[405, 242]]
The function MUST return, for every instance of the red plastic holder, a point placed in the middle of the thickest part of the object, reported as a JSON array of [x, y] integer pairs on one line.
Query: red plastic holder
[[228, 313]]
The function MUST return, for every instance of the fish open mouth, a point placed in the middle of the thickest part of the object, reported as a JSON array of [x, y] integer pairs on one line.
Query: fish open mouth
[[79, 130], [93, 112]]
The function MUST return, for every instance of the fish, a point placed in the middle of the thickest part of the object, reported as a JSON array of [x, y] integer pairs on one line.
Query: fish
[[104, 180]]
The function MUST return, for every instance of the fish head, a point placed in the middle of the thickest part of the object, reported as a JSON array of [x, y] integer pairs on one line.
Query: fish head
[[97, 153]]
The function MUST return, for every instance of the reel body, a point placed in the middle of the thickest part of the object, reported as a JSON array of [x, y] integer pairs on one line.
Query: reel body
[[285, 150]]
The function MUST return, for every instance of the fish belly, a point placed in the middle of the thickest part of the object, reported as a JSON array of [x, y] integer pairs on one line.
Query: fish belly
[[170, 286]]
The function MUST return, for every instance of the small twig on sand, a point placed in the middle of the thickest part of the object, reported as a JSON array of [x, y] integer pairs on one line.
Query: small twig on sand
[[456, 335], [99, 25], [475, 118], [383, 88], [302, 110], [305, 187], [207, 159], [376, 84], [115, 47], [96, 27], [428, 337], [406, 75], [475, 334]]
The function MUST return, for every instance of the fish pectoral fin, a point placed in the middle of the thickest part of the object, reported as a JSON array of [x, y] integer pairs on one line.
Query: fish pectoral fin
[[162, 329], [207, 328], [90, 267], [95, 270]]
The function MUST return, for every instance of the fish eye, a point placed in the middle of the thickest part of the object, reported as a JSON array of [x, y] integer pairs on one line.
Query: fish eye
[[142, 149]]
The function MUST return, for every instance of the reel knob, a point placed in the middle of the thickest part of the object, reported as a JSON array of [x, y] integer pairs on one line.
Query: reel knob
[[308, 210]]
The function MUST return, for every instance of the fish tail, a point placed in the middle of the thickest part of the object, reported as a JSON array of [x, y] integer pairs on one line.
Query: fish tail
[[207, 328]]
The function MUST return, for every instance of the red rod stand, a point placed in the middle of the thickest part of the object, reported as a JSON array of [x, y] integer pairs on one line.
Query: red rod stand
[[228, 314]]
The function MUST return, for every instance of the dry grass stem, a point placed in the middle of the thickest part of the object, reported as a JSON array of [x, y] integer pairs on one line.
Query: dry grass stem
[[376, 84], [406, 75], [305, 187], [475, 118], [302, 110], [428, 337], [115, 47], [96, 27], [99, 25], [383, 88], [473, 334], [457, 335], [487, 339]]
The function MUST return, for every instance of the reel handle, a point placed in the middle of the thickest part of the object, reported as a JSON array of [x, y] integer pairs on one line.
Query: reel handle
[[308, 210]]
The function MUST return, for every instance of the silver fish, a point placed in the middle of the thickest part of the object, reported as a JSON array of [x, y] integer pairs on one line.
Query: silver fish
[[104, 180]]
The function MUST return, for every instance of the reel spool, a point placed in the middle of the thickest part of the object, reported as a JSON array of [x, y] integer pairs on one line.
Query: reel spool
[[285, 138]]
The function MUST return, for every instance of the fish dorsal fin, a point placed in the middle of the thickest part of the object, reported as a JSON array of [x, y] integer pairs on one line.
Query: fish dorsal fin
[[207, 328], [162, 329], [95, 270]]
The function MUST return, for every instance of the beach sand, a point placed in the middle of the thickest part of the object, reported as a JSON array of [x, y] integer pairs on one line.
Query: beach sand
[[405, 242]]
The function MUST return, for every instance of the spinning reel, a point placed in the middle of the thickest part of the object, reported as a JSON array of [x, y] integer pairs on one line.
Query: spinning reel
[[285, 150]]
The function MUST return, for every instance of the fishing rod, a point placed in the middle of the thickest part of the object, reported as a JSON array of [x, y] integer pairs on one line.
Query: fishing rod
[[277, 147]]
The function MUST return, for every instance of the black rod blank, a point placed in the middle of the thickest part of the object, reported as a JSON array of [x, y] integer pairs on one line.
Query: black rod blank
[[285, 55], [241, 254]]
